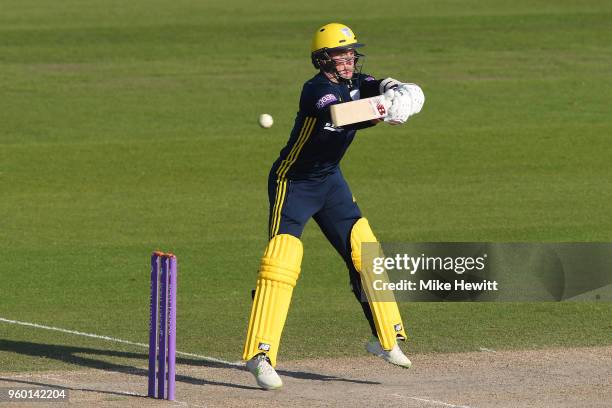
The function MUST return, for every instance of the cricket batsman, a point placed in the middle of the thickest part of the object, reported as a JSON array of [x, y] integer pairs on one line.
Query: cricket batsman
[[306, 182]]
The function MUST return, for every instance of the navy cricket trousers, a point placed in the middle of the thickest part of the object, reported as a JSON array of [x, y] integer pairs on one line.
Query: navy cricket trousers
[[328, 200]]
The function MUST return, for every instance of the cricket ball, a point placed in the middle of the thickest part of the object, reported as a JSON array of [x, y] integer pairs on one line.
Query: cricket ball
[[265, 121]]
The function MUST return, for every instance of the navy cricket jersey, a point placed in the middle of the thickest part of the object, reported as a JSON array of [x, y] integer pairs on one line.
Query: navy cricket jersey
[[315, 147]]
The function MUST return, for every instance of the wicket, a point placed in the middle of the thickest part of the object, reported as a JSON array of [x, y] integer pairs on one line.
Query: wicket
[[162, 330]]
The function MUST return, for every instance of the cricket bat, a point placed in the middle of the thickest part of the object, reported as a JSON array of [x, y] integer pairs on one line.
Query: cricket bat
[[359, 111]]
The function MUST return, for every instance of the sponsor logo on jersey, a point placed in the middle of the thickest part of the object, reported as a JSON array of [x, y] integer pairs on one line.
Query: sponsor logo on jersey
[[332, 128], [326, 100]]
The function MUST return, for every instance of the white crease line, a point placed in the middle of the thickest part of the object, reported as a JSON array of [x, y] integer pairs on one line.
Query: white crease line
[[37, 375], [187, 404], [487, 350], [116, 340], [445, 404]]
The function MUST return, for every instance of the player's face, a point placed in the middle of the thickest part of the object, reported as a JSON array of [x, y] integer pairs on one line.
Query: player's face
[[345, 62]]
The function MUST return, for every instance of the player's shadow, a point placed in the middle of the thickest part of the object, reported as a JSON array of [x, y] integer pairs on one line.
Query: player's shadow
[[81, 356], [84, 356], [321, 377]]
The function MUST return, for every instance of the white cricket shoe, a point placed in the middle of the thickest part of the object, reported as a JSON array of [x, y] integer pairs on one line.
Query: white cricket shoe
[[393, 356], [264, 373]]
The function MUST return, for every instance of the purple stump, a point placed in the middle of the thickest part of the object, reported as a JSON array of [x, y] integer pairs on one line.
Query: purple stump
[[163, 332], [153, 322], [172, 326]]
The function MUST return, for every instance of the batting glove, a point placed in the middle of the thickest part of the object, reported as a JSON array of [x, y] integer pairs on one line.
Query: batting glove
[[417, 96], [401, 106]]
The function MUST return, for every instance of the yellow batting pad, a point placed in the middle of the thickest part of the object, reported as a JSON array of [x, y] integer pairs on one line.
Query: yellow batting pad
[[278, 274], [386, 313]]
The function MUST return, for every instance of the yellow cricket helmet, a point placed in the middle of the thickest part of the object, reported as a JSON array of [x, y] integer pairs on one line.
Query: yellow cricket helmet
[[334, 36]]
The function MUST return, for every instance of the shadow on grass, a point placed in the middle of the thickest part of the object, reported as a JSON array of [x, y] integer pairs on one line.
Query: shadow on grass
[[84, 357], [90, 357]]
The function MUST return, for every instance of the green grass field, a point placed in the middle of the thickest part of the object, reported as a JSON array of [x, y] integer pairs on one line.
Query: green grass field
[[132, 126]]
